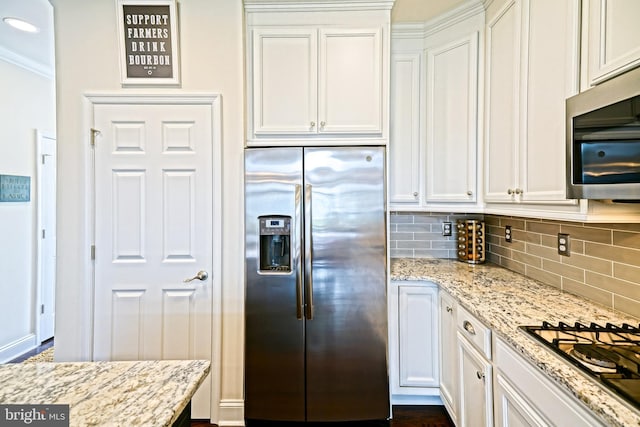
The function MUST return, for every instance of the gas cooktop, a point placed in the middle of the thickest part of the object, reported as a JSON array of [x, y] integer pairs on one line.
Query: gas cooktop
[[609, 353]]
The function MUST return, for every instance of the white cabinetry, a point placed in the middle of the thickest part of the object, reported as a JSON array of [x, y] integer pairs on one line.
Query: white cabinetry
[[434, 113], [531, 68], [317, 72], [524, 397], [612, 33], [474, 366], [448, 355], [413, 342], [404, 136], [452, 121]]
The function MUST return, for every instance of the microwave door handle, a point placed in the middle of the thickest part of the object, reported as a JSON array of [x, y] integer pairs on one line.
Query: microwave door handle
[[296, 247], [308, 254]]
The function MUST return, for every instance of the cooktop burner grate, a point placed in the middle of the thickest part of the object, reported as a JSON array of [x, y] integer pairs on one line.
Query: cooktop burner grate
[[610, 353]]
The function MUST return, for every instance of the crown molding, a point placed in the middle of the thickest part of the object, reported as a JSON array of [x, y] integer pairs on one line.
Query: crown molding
[[440, 22], [26, 63], [315, 5]]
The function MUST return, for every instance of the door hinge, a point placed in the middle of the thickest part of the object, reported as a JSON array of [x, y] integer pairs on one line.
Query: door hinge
[[93, 252], [42, 309], [94, 133], [43, 233]]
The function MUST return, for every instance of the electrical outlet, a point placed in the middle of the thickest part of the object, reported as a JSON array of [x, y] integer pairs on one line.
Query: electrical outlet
[[446, 229], [563, 244], [507, 234]]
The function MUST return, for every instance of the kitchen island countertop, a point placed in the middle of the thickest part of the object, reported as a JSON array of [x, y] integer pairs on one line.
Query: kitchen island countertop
[[136, 393], [504, 300]]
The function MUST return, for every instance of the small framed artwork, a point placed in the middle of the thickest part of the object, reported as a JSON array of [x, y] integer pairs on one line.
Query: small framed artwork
[[14, 188], [148, 40]]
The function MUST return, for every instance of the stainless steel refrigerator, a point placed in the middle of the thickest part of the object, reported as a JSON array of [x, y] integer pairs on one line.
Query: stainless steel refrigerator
[[316, 315]]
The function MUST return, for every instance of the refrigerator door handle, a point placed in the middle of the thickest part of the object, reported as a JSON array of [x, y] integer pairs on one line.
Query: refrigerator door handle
[[308, 254], [299, 293]]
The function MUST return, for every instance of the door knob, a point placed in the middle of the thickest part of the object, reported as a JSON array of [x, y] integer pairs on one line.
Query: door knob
[[201, 275]]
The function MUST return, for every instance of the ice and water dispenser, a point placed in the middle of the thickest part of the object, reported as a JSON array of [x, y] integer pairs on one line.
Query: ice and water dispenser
[[275, 243]]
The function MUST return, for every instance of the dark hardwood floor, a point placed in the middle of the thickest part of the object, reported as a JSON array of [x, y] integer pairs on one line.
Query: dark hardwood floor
[[403, 416]]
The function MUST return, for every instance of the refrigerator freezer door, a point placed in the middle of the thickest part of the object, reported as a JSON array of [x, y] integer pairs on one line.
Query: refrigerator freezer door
[[347, 376], [274, 352]]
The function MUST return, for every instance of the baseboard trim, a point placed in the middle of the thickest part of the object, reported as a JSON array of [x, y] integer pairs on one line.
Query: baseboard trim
[[397, 399], [231, 413], [18, 347]]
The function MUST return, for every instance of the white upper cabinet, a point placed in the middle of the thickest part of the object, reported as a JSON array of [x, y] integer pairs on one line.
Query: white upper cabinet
[[531, 68], [452, 121], [317, 72], [285, 81], [434, 114], [404, 148], [613, 36], [350, 81]]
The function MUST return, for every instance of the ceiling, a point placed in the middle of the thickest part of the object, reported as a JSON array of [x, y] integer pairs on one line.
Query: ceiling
[[38, 48], [35, 47]]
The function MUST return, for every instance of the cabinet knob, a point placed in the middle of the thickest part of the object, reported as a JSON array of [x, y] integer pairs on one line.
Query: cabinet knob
[[313, 124], [322, 124], [509, 191], [469, 327], [519, 191], [415, 194], [480, 375], [469, 193]]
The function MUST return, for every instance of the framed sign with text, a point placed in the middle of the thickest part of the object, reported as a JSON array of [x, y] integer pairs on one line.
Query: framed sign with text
[[148, 42]]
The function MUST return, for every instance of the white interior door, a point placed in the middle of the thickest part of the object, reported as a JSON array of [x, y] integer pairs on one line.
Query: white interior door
[[47, 235], [154, 228]]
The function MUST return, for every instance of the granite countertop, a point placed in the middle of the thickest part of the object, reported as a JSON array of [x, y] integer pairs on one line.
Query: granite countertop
[[504, 300], [140, 393]]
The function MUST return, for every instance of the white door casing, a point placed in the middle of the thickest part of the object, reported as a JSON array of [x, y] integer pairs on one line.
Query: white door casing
[[46, 275], [157, 222]]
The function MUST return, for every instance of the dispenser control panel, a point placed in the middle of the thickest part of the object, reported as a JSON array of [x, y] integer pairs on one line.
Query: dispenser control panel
[[275, 244]]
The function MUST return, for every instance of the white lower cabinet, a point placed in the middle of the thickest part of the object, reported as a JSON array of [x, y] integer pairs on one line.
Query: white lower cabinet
[[448, 355], [524, 397], [475, 370], [413, 342]]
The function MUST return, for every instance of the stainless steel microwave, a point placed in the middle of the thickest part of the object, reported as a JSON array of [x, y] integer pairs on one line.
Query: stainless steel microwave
[[603, 140]]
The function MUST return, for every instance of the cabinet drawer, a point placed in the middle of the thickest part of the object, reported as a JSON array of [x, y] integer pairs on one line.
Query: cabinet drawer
[[477, 333]]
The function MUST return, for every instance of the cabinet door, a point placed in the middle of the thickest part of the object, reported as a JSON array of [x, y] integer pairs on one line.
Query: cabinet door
[[476, 400], [404, 141], [550, 48], [350, 81], [448, 354], [512, 409], [613, 34], [284, 81], [418, 336], [452, 99], [501, 98]]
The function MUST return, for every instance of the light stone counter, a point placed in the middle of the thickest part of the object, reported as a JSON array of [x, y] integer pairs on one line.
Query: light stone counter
[[504, 300], [142, 393]]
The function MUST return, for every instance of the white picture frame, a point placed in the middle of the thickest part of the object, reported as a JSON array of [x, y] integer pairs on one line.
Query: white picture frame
[[148, 42]]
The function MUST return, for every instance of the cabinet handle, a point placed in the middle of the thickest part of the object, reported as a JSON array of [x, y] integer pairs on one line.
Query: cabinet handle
[[449, 309], [480, 375], [313, 124], [469, 327]]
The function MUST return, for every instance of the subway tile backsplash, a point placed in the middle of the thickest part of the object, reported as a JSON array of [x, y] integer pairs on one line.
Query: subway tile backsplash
[[603, 266]]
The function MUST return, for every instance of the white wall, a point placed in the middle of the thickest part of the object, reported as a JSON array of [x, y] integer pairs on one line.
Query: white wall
[[28, 103], [211, 50]]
